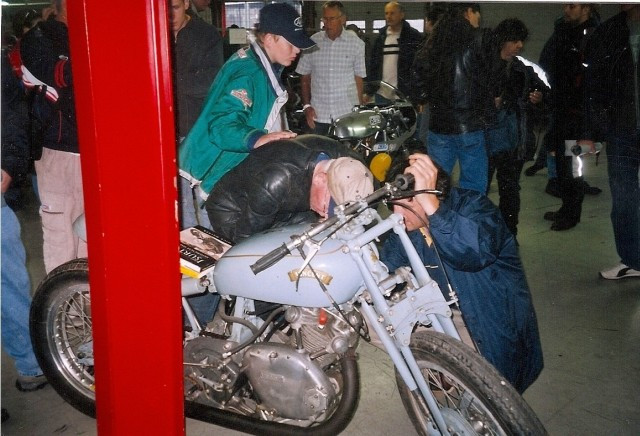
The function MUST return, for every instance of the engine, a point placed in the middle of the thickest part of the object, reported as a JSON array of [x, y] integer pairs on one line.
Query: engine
[[297, 380]]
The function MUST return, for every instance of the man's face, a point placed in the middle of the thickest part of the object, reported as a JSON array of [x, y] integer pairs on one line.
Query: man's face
[[510, 49], [178, 12], [333, 21], [411, 221], [201, 5], [473, 17], [575, 13], [280, 50], [393, 15]]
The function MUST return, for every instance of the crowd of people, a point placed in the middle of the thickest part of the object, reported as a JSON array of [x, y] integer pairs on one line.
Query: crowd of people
[[241, 170]]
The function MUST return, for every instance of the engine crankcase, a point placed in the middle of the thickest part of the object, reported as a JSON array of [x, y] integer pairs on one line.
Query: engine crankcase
[[208, 377], [288, 382]]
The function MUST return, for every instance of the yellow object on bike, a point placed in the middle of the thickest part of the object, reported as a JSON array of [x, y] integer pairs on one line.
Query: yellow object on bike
[[380, 165]]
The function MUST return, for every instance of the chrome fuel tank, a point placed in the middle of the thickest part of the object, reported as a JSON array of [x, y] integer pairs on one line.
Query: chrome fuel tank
[[358, 125], [281, 283]]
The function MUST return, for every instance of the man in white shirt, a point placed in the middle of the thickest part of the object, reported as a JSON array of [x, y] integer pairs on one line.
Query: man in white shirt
[[331, 72]]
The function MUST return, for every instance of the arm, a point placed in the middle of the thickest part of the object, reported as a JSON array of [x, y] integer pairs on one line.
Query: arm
[[305, 89], [360, 88]]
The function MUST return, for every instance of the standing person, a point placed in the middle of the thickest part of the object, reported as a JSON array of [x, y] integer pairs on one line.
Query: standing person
[[394, 50], [613, 114], [463, 240], [243, 109], [47, 72], [562, 58], [519, 94], [198, 58], [453, 75], [331, 82], [16, 287]]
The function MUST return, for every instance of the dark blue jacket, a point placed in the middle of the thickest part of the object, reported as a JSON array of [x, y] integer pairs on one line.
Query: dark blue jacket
[[408, 43], [482, 262]]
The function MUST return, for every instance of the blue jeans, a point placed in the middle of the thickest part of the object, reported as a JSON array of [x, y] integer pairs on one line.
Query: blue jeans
[[16, 297], [467, 148], [623, 161], [192, 212]]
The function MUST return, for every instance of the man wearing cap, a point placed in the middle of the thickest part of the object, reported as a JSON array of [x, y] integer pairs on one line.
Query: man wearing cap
[[332, 73], [243, 109], [291, 181]]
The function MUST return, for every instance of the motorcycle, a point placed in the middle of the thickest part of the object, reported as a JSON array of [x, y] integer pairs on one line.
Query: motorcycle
[[380, 131], [280, 355]]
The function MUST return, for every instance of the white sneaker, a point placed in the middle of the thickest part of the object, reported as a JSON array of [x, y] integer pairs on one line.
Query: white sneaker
[[619, 271]]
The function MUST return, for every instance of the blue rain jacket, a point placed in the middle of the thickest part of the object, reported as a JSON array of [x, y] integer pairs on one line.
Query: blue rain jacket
[[481, 260]]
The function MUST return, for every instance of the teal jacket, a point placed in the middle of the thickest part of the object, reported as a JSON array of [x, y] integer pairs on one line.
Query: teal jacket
[[244, 103]]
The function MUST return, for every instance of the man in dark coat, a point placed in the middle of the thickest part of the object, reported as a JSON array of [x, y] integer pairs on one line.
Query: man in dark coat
[[289, 182], [394, 49], [477, 254]]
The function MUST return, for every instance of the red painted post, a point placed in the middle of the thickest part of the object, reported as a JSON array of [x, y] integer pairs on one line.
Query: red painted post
[[122, 79]]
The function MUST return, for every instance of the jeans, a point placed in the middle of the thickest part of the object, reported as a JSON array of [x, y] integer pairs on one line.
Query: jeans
[[192, 212], [623, 161], [469, 150], [16, 297]]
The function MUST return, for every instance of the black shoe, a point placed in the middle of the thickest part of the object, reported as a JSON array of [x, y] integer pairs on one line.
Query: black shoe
[[564, 224], [533, 169], [551, 216], [30, 383], [552, 188], [5, 414], [591, 190]]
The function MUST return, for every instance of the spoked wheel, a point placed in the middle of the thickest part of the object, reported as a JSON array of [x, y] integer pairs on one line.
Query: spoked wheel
[[61, 332], [472, 396]]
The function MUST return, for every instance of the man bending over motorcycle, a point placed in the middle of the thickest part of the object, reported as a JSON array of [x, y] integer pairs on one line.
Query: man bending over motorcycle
[[476, 254], [289, 182]]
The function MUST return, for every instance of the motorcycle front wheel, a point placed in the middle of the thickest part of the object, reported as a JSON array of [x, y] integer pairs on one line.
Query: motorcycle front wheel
[[61, 332], [472, 396]]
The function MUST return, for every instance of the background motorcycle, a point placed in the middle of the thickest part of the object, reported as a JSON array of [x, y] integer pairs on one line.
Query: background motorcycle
[[381, 131], [279, 358]]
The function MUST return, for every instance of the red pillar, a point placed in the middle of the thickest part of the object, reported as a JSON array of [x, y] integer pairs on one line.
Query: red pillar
[[122, 78]]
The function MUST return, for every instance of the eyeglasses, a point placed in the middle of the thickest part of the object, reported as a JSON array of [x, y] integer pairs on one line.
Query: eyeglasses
[[330, 19]]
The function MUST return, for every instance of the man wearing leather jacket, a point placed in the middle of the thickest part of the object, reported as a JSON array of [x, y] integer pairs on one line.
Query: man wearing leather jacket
[[452, 73], [612, 82], [464, 241], [292, 181]]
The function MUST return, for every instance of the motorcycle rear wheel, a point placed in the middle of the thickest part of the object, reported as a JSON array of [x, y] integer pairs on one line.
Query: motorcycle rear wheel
[[60, 324], [471, 395]]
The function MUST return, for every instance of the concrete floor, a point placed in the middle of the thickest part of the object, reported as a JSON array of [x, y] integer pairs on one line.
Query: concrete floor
[[590, 332]]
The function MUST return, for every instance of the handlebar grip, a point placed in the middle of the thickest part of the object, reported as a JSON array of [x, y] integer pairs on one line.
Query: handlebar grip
[[270, 259], [403, 181]]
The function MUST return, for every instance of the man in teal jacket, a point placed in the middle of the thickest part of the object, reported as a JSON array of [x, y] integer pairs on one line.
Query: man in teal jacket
[[243, 109]]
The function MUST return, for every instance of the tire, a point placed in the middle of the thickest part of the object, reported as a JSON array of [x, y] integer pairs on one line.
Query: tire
[[473, 397], [60, 324]]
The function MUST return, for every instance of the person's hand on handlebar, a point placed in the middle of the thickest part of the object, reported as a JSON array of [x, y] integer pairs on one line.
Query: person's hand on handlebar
[[426, 175]]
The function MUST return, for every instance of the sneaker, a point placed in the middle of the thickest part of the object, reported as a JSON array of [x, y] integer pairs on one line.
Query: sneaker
[[591, 190], [28, 383], [620, 271]]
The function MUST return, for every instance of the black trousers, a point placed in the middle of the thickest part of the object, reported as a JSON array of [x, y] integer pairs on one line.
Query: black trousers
[[571, 188], [507, 168]]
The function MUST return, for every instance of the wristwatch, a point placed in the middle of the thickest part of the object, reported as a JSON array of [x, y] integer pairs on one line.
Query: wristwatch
[[304, 108]]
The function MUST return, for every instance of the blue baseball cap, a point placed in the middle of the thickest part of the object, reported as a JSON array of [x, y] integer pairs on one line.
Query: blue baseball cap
[[282, 19]]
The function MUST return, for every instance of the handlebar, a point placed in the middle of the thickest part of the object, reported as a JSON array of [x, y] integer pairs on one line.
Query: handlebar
[[402, 182]]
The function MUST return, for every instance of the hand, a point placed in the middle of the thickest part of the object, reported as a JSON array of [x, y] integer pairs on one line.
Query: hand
[[274, 136], [6, 181], [310, 115], [426, 175], [535, 97], [498, 102]]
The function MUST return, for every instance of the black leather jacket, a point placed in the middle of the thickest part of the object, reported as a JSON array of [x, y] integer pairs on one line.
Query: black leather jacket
[[270, 188], [408, 42], [460, 94], [45, 53], [610, 80]]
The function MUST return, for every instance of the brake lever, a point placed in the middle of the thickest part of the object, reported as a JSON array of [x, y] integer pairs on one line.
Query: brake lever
[[315, 247]]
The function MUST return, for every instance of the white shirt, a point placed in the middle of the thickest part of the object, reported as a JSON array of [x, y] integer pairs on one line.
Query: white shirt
[[333, 65]]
